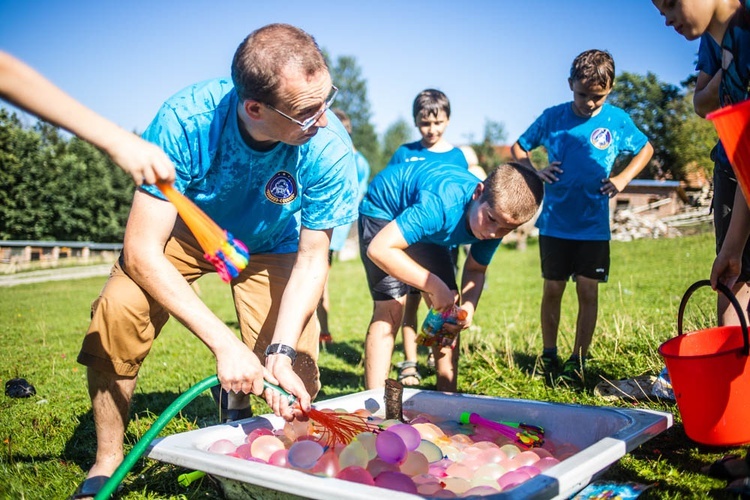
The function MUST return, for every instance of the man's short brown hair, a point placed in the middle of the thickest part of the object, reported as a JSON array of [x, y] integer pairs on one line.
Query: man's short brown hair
[[260, 58]]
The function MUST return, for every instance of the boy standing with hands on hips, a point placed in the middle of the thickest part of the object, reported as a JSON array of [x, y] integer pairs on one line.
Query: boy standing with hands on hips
[[583, 139]]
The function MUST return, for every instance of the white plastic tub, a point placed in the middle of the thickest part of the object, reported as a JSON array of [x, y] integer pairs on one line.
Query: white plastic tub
[[603, 434]]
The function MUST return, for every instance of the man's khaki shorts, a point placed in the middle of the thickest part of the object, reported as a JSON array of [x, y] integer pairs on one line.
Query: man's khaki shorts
[[125, 320]]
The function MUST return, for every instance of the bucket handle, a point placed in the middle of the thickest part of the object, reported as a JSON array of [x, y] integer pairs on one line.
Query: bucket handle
[[732, 299]]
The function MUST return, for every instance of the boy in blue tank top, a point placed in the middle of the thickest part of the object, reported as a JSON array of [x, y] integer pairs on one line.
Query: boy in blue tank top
[[410, 217], [431, 111], [583, 138]]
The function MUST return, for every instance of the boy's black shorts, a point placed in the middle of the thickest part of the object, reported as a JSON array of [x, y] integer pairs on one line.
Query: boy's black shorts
[[563, 258], [725, 186], [435, 258]]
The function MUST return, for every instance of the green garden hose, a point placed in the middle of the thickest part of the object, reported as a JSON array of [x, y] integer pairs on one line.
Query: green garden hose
[[140, 447], [181, 402]]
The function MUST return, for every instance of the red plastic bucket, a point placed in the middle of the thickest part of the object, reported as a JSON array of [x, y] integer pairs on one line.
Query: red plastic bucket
[[733, 126], [710, 375]]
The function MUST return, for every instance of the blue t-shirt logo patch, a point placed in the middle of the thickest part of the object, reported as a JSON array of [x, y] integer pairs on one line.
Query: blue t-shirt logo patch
[[281, 188], [601, 138]]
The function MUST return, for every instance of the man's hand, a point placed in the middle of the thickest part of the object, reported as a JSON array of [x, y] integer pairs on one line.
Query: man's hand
[[239, 369], [280, 372], [726, 269], [609, 187]]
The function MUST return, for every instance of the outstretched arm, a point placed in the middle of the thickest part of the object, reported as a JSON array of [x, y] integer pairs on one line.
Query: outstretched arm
[[386, 250], [149, 227], [728, 263], [24, 87]]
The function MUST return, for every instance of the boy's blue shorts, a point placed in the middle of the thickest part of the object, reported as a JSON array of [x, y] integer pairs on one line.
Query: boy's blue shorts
[[563, 258], [435, 258]]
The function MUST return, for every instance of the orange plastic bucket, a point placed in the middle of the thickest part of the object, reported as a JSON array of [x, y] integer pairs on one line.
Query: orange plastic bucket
[[710, 374], [732, 123]]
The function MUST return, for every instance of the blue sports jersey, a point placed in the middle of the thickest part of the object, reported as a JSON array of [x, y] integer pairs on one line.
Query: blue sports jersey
[[429, 201], [574, 208], [415, 151], [735, 59], [709, 62], [261, 197], [340, 233]]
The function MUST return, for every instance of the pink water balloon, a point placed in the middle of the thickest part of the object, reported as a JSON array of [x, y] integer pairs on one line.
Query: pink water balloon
[[356, 475], [264, 446], [222, 447]]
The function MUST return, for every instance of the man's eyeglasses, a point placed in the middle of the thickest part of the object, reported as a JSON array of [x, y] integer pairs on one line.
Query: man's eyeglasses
[[309, 122]]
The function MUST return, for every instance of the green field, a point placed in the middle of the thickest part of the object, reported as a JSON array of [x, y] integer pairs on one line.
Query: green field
[[48, 439]]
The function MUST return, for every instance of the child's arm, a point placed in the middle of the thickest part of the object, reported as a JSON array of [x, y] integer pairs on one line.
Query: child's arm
[[728, 263], [22, 86], [472, 284], [706, 97], [386, 250], [547, 174], [614, 185]]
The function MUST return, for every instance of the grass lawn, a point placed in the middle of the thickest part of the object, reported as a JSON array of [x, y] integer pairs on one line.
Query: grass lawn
[[48, 439]]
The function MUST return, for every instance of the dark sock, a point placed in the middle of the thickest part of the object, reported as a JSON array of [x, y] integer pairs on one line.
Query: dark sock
[[549, 352]]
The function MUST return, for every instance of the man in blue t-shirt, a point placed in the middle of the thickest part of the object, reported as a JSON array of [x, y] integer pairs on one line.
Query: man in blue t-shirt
[[262, 158], [410, 217], [583, 138]]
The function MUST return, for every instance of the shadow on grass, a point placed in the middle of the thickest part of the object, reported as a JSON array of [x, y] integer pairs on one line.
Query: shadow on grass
[[81, 447]]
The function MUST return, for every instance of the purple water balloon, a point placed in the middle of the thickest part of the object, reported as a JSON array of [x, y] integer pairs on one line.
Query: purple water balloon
[[390, 447], [408, 434]]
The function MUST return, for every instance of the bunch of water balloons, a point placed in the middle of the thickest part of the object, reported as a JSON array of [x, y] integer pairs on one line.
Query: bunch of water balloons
[[428, 456]]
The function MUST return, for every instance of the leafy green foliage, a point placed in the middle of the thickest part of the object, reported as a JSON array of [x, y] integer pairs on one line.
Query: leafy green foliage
[[352, 99], [494, 135], [58, 189]]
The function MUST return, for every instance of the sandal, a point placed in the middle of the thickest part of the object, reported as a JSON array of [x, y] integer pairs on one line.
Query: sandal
[[408, 369], [728, 467]]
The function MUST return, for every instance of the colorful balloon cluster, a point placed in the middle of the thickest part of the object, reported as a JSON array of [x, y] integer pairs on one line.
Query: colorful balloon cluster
[[430, 457], [230, 259]]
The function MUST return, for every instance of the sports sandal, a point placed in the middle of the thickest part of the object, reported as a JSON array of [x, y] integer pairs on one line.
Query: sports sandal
[[408, 369], [89, 487]]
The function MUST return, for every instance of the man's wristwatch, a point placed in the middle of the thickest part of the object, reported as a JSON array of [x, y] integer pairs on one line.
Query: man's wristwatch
[[282, 349]]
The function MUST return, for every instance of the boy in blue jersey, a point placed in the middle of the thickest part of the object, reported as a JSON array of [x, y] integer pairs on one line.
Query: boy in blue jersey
[[341, 233], [259, 155], [583, 138], [431, 111], [724, 65], [410, 217], [724, 79], [726, 201]]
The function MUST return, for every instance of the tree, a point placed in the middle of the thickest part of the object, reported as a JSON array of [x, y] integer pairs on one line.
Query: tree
[[648, 102], [494, 135], [352, 99], [682, 140], [58, 189]]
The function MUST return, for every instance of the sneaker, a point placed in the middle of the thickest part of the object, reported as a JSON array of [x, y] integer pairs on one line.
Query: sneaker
[[572, 371], [550, 366], [325, 338], [226, 415]]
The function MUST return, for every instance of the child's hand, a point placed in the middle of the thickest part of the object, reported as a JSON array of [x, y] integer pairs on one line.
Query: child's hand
[[609, 188], [441, 298], [548, 174]]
